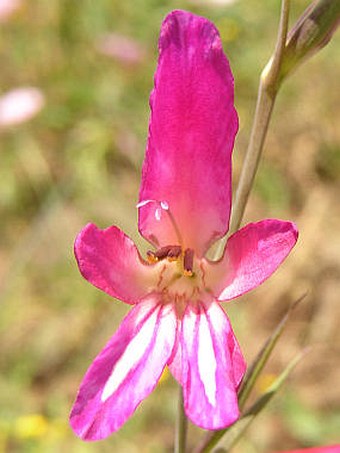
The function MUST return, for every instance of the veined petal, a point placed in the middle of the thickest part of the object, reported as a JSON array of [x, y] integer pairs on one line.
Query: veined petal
[[251, 255], [214, 367], [223, 335], [191, 135], [126, 370], [176, 366], [110, 261]]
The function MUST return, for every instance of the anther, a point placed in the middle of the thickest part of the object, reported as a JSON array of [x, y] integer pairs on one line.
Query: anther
[[174, 253], [151, 257], [188, 262], [171, 252]]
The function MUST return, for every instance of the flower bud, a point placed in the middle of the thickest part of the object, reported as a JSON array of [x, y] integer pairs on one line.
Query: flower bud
[[312, 31]]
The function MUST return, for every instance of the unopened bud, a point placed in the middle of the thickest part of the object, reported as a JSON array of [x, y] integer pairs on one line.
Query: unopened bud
[[312, 31]]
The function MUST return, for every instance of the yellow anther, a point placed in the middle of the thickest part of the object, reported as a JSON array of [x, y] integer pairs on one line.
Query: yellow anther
[[188, 273], [151, 257], [171, 259]]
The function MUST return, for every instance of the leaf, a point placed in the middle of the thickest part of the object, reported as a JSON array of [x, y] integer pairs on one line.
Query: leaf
[[232, 434], [251, 377], [260, 361]]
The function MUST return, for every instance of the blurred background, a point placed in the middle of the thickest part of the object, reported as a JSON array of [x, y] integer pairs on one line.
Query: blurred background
[[81, 72]]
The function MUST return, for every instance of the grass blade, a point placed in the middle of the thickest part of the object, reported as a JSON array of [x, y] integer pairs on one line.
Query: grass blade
[[262, 358], [232, 434]]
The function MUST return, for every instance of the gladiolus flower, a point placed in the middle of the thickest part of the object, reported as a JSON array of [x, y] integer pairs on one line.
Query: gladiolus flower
[[184, 206]]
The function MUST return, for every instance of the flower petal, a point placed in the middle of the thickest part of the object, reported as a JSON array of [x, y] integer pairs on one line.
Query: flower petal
[[175, 363], [251, 255], [191, 135], [110, 261], [126, 370], [214, 367]]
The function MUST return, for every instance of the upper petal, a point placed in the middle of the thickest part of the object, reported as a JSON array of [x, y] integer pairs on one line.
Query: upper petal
[[251, 255], [110, 261], [125, 371], [212, 365], [191, 135]]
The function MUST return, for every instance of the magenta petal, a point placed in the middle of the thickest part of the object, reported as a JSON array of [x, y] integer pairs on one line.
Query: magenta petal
[[251, 255], [125, 372], [215, 367], [191, 135], [110, 261]]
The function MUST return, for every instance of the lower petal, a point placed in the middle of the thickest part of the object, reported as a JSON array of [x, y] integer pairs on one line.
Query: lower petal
[[125, 371], [213, 367]]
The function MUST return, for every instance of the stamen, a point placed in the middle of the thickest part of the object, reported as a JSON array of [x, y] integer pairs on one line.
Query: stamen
[[174, 253], [163, 206], [151, 257], [171, 252], [188, 262], [174, 224], [163, 252]]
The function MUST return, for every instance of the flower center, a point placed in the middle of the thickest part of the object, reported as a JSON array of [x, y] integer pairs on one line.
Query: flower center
[[181, 276]]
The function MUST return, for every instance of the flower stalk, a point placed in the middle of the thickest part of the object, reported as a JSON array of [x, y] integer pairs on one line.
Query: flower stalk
[[181, 425], [265, 102], [312, 31]]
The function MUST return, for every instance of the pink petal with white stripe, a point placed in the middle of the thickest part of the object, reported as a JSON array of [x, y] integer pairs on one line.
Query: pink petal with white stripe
[[110, 261], [176, 365], [126, 370], [214, 367], [251, 255], [191, 135]]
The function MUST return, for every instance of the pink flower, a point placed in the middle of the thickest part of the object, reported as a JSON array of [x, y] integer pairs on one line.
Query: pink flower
[[7, 8], [184, 206], [121, 48], [20, 105], [328, 449], [212, 2]]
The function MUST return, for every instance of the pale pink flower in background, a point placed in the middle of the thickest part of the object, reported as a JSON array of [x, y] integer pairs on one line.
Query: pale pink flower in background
[[212, 2], [121, 48], [325, 449], [20, 105], [7, 8], [184, 206]]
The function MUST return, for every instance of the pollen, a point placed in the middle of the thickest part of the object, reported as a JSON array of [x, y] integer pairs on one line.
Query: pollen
[[188, 273], [151, 257]]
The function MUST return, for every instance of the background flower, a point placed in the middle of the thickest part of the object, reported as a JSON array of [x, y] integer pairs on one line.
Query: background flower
[[20, 105], [7, 8]]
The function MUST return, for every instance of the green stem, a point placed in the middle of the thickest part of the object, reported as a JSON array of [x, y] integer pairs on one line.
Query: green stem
[[181, 426], [265, 102], [269, 85]]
